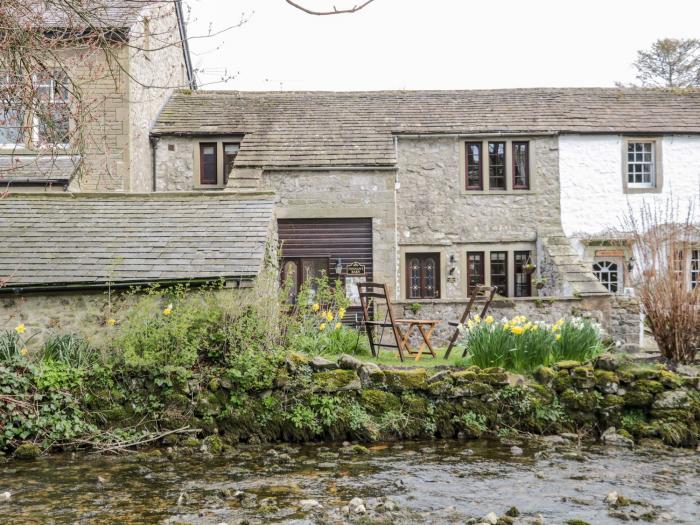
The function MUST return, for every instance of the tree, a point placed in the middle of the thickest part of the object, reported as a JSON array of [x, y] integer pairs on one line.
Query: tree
[[670, 62]]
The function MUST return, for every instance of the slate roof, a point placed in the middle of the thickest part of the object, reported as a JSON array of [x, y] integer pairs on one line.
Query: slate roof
[[92, 239], [37, 168], [299, 129]]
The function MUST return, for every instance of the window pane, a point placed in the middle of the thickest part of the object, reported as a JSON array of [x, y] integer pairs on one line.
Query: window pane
[[523, 279], [11, 112], [414, 285], [475, 270], [423, 276], [695, 268], [230, 152], [521, 165], [607, 274], [497, 165], [474, 166], [207, 160], [640, 163], [499, 272], [52, 115]]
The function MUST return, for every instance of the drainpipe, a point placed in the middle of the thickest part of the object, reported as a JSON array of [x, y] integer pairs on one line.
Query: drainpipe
[[154, 144], [397, 258]]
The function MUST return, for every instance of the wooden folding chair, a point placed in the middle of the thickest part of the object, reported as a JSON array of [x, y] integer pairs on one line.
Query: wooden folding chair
[[369, 294], [489, 292]]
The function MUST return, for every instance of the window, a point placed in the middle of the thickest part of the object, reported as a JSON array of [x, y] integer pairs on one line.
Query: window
[[207, 163], [497, 165], [11, 113], [423, 275], [694, 268], [230, 152], [52, 118], [523, 279], [475, 270], [499, 272], [474, 166], [640, 164], [607, 274], [521, 166], [296, 271]]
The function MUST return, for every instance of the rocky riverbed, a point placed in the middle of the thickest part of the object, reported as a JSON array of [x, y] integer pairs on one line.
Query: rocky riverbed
[[554, 481]]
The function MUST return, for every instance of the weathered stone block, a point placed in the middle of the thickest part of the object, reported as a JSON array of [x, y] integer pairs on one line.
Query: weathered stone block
[[335, 381]]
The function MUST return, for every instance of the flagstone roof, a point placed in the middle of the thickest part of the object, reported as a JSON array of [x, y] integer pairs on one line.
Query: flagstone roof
[[37, 168], [295, 129], [92, 239]]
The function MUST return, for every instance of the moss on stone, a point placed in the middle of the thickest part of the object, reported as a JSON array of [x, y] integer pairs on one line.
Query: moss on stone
[[404, 380], [638, 398], [580, 401], [541, 391], [27, 451], [214, 444], [378, 402], [562, 381], [612, 401], [649, 385], [643, 372], [190, 442], [494, 376], [670, 379], [331, 381], [471, 390], [604, 378], [566, 365], [440, 388], [544, 375], [465, 376]]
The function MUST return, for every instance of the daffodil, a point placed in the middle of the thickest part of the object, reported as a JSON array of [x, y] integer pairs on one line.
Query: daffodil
[[20, 329], [558, 337], [111, 322], [24, 351], [517, 330], [489, 320], [338, 325], [168, 309], [341, 312], [477, 318], [329, 316], [322, 327], [315, 307]]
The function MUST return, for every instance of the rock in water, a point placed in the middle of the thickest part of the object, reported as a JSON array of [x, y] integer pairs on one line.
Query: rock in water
[[611, 437], [5, 496], [309, 504], [357, 506], [181, 499], [490, 518], [612, 497], [516, 451]]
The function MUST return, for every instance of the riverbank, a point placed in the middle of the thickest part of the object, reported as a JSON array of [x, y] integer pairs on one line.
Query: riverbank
[[293, 398]]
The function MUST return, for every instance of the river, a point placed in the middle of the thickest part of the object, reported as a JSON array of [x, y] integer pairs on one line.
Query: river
[[419, 482]]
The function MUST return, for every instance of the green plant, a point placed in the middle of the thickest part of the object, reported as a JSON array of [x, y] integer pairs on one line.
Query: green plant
[[415, 308], [70, 349], [472, 423], [10, 346]]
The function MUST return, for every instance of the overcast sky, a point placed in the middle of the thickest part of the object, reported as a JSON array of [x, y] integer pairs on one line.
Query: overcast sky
[[431, 44]]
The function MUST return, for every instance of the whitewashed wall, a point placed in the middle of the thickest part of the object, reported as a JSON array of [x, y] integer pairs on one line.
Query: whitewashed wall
[[590, 169]]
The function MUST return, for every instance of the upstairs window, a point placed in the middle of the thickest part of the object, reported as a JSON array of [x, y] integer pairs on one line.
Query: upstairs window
[[11, 113], [474, 166], [208, 163], [230, 153], [521, 166], [52, 117], [694, 269], [640, 164], [497, 165], [423, 275]]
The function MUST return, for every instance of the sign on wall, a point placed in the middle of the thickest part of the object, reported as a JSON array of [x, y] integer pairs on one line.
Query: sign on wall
[[355, 268], [610, 253]]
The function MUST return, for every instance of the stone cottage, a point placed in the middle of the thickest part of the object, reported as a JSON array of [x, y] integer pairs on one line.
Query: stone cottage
[[429, 191]]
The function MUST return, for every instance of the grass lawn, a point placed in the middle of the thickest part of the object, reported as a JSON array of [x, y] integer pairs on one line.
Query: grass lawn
[[391, 357]]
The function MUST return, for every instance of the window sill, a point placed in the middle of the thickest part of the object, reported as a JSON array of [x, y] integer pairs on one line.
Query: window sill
[[498, 192], [644, 189]]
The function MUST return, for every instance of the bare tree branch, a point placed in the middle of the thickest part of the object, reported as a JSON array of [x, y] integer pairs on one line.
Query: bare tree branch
[[335, 10]]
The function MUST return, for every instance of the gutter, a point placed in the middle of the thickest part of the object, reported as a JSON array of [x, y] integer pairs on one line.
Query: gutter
[[192, 81], [35, 182], [77, 287]]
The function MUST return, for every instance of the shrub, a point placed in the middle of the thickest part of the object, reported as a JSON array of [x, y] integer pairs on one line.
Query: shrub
[[521, 345]]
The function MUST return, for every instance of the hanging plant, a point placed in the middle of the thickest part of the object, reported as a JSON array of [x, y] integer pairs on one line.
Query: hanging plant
[[529, 267]]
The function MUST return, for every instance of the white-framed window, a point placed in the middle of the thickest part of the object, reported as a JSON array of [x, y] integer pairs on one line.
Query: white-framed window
[[608, 273], [52, 116], [641, 164], [11, 113], [694, 268]]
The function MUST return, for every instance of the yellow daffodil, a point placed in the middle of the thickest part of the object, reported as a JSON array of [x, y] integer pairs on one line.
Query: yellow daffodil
[[527, 326], [168, 309], [470, 324], [315, 307], [558, 337], [517, 330], [24, 351], [535, 327], [322, 327], [329, 316], [341, 312], [477, 318], [20, 329], [338, 325], [111, 322], [489, 320]]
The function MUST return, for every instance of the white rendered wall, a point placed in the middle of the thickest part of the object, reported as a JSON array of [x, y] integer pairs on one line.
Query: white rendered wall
[[590, 171]]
